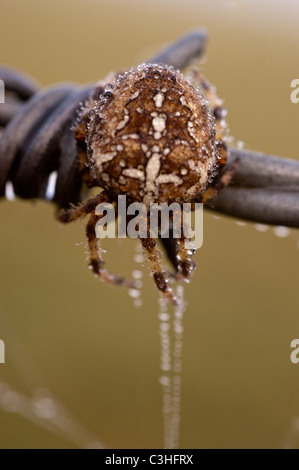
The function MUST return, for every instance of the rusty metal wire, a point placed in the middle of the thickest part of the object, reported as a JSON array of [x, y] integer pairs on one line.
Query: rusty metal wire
[[265, 189]]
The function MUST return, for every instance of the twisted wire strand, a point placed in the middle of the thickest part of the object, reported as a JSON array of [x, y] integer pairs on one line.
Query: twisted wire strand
[[39, 141]]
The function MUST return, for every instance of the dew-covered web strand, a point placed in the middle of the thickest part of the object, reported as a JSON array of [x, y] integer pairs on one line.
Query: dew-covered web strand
[[165, 366], [280, 231], [39, 406], [171, 345], [291, 438], [137, 275]]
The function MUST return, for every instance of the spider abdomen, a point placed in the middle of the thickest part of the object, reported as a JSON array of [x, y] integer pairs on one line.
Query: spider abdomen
[[151, 137]]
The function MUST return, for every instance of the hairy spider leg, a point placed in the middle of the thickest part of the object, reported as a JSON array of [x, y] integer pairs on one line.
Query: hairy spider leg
[[184, 264], [96, 260], [184, 257], [83, 209], [153, 254], [209, 92]]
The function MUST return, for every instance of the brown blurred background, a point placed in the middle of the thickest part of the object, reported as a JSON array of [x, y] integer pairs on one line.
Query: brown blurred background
[[85, 341]]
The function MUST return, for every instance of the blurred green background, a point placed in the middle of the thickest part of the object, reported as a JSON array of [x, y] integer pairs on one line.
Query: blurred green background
[[66, 332]]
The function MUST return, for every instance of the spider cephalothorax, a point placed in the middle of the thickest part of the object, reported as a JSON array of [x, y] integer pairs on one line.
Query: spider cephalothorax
[[150, 135]]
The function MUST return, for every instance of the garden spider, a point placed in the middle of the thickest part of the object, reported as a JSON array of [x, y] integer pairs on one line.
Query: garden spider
[[150, 135], [38, 142]]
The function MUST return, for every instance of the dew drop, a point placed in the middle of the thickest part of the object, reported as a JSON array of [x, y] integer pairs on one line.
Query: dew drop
[[171, 344], [281, 231], [164, 316], [261, 227], [9, 191], [44, 408], [164, 380], [134, 293], [137, 274], [138, 258], [138, 302]]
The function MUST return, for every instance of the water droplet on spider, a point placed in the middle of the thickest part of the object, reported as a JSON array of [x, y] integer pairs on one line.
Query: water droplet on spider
[[108, 91], [108, 94]]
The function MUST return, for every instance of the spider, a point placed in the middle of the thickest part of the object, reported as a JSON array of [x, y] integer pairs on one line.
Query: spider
[[191, 161], [156, 137]]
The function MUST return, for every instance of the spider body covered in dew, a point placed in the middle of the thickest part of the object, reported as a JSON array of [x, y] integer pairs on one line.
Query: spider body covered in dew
[[156, 137]]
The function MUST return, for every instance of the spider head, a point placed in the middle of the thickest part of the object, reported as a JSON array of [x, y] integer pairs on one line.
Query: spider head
[[151, 137]]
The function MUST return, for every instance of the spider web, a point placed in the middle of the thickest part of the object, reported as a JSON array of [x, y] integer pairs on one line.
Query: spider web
[[40, 407], [171, 344]]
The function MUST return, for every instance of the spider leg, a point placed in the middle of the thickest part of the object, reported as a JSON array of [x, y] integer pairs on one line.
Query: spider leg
[[96, 260], [225, 175], [181, 255], [185, 264], [86, 207], [209, 92], [153, 254]]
